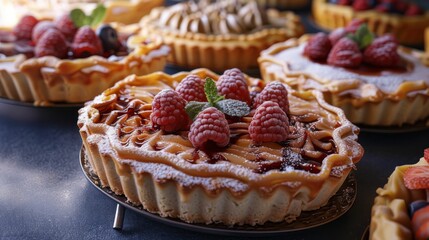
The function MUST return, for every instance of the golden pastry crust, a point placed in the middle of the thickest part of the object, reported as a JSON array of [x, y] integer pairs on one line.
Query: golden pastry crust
[[187, 183], [48, 80], [220, 51], [389, 214], [387, 93], [407, 29]]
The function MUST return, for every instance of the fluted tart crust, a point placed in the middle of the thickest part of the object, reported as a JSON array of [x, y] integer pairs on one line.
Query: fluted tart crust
[[49, 80], [242, 183], [371, 96], [219, 35]]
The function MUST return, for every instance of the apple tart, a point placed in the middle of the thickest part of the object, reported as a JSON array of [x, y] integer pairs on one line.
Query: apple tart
[[228, 168], [219, 35]]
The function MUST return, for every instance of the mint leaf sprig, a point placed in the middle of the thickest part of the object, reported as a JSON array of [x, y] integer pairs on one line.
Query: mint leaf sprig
[[363, 36], [231, 107], [80, 19]]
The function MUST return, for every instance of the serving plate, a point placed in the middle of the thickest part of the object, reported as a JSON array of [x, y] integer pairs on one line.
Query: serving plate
[[31, 104], [339, 204]]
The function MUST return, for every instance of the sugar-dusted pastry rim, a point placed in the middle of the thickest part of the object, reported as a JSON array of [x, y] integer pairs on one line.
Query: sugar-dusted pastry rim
[[389, 214], [410, 96], [407, 29], [220, 52], [46, 80], [127, 170], [128, 12]]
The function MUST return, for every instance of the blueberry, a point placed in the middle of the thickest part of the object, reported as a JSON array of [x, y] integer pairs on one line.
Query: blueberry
[[109, 38], [416, 205]]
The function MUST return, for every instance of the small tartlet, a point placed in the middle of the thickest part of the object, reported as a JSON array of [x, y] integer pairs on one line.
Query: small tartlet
[[165, 174], [381, 98], [49, 80], [216, 35], [407, 29]]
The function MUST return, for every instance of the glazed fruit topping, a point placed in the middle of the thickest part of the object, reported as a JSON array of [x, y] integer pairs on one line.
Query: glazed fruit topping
[[385, 6], [382, 52], [168, 111], [275, 92], [346, 54], [318, 47], [24, 28], [40, 29], [269, 124], [417, 177], [52, 43], [86, 43], [210, 125]]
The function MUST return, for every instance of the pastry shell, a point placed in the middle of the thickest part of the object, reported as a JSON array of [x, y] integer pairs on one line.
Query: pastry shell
[[362, 102], [164, 182], [407, 29]]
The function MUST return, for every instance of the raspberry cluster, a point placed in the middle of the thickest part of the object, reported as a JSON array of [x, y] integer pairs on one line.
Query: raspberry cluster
[[385, 6], [214, 102], [352, 46], [61, 38]]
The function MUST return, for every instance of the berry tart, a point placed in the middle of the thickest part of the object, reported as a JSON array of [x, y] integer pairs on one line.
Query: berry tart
[[373, 79], [401, 208], [406, 21], [218, 149], [65, 61], [219, 35]]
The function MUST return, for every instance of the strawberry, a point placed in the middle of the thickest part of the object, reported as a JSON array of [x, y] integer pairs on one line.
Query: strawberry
[[417, 177], [354, 25], [40, 29], [413, 10], [318, 47], [382, 52], [191, 88], [210, 125], [24, 28], [86, 43], [52, 43], [426, 154], [66, 26], [233, 88], [345, 53], [336, 35], [168, 111], [269, 124]]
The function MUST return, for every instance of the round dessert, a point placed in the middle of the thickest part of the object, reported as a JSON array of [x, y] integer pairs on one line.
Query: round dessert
[[219, 35], [406, 21], [375, 81], [123, 11], [401, 208], [218, 149], [66, 61]]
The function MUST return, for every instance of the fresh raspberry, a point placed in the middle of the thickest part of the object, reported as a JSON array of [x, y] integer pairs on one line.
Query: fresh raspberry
[[269, 124], [236, 73], [417, 177], [318, 47], [86, 43], [426, 154], [354, 25], [210, 125], [414, 10], [275, 92], [40, 29], [336, 35], [52, 43], [345, 53], [168, 111], [24, 28], [191, 88], [382, 52], [66, 26], [361, 5], [233, 88], [401, 7]]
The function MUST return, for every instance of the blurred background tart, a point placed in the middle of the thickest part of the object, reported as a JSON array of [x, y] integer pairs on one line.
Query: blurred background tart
[[406, 21], [63, 61], [373, 79], [219, 35], [282, 4]]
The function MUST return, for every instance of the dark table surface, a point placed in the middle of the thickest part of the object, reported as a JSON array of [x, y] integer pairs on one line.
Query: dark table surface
[[44, 194]]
